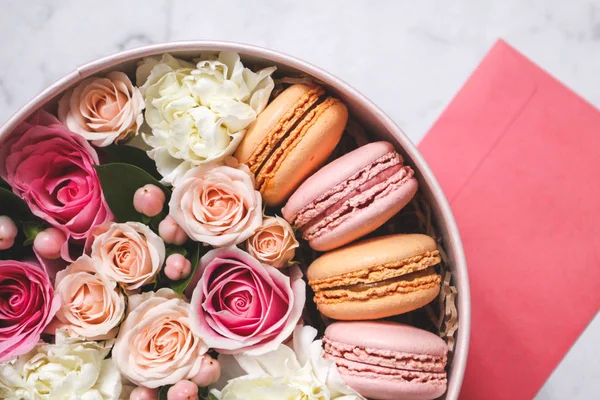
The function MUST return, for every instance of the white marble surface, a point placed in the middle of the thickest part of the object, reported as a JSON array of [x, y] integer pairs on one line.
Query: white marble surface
[[410, 57]]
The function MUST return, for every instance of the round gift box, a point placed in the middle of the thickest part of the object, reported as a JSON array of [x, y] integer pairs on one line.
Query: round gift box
[[370, 116]]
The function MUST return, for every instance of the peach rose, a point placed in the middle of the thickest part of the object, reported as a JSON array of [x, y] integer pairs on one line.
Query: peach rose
[[92, 306], [103, 110], [273, 243], [130, 254], [217, 204], [156, 346]]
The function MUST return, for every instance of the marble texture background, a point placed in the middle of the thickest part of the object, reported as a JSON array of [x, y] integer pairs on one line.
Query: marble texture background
[[410, 57]]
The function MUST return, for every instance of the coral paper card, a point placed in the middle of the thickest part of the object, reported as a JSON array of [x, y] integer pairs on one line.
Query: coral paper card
[[518, 156]]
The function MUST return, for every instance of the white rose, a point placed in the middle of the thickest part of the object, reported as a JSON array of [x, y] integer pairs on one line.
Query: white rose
[[92, 306], [66, 370], [156, 346], [130, 254], [297, 372], [200, 114]]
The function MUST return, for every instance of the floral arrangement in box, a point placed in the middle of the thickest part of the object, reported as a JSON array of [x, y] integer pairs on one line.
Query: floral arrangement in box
[[158, 231]]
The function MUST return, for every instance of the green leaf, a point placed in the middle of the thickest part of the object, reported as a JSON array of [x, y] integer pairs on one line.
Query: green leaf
[[162, 393], [119, 183], [131, 155], [212, 397], [195, 251], [30, 230]]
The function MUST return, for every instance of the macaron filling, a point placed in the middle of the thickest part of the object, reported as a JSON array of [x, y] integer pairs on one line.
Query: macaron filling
[[379, 273], [384, 357], [413, 282], [284, 125], [318, 207], [385, 364], [291, 138]]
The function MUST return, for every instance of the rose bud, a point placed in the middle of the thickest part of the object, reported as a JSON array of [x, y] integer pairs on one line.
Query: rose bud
[[149, 200], [143, 393], [48, 243], [171, 232], [177, 267], [183, 390], [210, 371], [8, 232]]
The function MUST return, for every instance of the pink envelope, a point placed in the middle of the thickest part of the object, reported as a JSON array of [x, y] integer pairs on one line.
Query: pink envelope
[[518, 155]]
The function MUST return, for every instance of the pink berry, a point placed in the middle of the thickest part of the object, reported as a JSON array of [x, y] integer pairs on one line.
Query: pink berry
[[171, 232], [183, 390], [149, 200], [49, 242], [210, 371], [177, 267], [143, 393], [8, 232]]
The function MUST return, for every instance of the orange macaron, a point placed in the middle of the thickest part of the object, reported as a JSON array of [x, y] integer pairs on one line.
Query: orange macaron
[[376, 278], [291, 139]]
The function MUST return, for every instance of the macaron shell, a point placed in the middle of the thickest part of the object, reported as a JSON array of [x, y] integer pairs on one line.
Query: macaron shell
[[387, 335], [381, 307], [262, 125], [304, 155], [385, 389], [367, 219], [370, 253], [334, 173]]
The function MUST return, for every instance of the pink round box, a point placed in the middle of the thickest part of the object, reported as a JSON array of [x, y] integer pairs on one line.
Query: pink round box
[[374, 120]]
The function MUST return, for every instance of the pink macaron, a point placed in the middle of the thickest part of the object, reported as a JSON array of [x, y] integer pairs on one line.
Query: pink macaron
[[388, 361], [351, 196]]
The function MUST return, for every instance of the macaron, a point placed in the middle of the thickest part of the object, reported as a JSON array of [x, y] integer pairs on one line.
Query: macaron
[[351, 196], [388, 361], [376, 278], [291, 138]]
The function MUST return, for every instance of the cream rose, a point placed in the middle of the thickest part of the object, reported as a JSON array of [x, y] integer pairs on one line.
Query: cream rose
[[156, 346], [103, 110], [217, 204], [130, 254], [273, 243], [92, 306], [199, 113], [67, 370]]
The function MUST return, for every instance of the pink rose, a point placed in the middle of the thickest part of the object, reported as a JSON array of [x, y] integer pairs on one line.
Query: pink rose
[[103, 110], [92, 306], [27, 305], [156, 346], [130, 254], [52, 169], [241, 305], [273, 243], [217, 204]]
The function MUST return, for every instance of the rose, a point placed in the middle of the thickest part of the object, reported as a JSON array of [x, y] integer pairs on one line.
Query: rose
[[52, 169], [67, 370], [103, 110], [27, 305], [156, 345], [130, 254], [199, 114], [295, 371], [273, 243], [92, 306], [217, 204], [241, 305]]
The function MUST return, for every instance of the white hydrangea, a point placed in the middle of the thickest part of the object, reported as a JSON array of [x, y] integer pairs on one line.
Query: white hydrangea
[[296, 372], [199, 114], [68, 370]]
